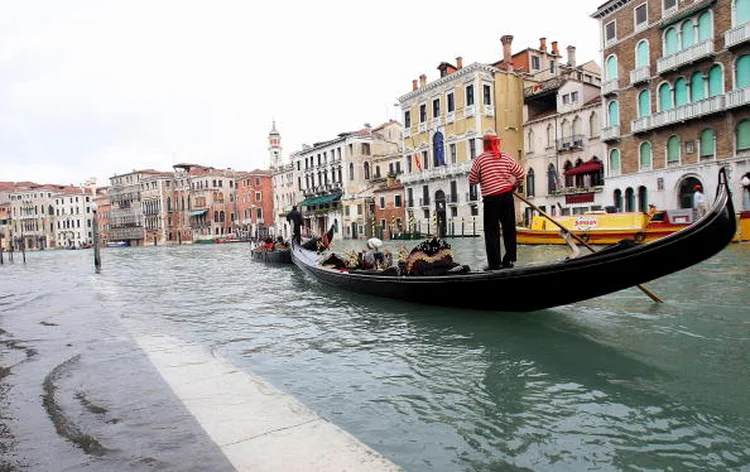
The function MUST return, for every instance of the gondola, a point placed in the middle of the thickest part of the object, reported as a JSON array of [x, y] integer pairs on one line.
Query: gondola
[[276, 256], [535, 286]]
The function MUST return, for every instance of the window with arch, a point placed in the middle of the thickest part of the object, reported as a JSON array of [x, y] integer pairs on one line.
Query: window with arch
[[530, 184], [641, 54], [611, 68], [551, 178], [629, 199], [569, 181], [665, 97], [687, 33], [594, 125], [565, 128], [530, 141], [671, 41], [351, 170], [705, 26], [646, 156], [642, 198], [680, 92], [697, 87], [644, 103], [617, 199], [366, 168], [741, 12], [715, 81], [577, 127], [673, 150], [742, 71], [707, 143], [614, 162], [613, 113], [550, 136], [743, 135]]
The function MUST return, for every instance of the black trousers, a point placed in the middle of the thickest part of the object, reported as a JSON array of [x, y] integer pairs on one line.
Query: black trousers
[[499, 211]]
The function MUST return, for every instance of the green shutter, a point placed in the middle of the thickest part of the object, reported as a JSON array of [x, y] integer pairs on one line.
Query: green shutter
[[614, 159], [697, 87], [705, 27], [614, 114], [670, 42], [688, 35], [743, 71], [680, 92], [641, 54], [665, 97], [673, 149], [743, 135], [715, 79], [611, 68], [644, 103], [707, 142], [646, 155], [742, 12]]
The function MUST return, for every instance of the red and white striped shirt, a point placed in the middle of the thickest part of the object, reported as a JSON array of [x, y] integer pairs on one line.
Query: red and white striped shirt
[[493, 173]]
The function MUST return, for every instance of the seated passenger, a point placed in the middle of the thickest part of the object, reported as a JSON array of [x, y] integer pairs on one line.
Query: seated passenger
[[280, 244], [268, 246], [373, 257]]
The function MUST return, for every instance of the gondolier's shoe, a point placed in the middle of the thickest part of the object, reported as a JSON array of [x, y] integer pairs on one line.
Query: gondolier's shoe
[[507, 265], [489, 268]]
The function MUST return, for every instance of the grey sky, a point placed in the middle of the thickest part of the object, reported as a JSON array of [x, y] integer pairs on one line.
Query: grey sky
[[96, 87]]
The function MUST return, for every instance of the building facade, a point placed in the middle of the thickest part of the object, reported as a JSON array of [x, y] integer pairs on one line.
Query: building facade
[[74, 218], [255, 205], [676, 98]]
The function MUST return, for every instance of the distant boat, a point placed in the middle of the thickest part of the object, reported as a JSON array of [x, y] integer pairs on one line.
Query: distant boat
[[117, 244], [273, 256]]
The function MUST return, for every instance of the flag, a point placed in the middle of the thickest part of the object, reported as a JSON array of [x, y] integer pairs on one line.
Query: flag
[[418, 162]]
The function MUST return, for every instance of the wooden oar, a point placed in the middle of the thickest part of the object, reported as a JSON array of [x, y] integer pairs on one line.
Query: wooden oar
[[645, 290]]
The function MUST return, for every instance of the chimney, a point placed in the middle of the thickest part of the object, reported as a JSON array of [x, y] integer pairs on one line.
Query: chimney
[[414, 85], [507, 56], [543, 44], [555, 51], [459, 62], [422, 80], [572, 56]]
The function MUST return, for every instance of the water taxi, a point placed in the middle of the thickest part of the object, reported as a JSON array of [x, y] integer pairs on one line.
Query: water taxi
[[602, 228]]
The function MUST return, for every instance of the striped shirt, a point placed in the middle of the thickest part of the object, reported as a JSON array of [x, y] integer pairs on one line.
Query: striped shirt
[[495, 174]]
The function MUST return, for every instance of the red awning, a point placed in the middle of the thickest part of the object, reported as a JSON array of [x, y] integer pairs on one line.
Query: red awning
[[586, 167]]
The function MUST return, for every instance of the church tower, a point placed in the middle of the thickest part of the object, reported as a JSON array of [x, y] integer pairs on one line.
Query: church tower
[[274, 147]]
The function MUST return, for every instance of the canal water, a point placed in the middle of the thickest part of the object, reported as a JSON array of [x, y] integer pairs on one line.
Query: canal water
[[614, 383]]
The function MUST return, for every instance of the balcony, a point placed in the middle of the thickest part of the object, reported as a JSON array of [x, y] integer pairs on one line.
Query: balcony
[[489, 110], [737, 98], [680, 114], [436, 122], [450, 117], [686, 56], [437, 173], [641, 74], [576, 190], [469, 110], [570, 143], [407, 131], [738, 35], [610, 133], [610, 86], [422, 127]]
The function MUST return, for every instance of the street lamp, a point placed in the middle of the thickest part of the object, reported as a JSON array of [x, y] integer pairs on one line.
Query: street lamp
[[94, 225]]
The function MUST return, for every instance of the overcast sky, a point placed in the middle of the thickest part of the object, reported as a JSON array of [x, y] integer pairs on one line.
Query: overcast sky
[[96, 88]]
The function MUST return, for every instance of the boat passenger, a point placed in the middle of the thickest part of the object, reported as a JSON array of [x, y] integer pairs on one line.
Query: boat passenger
[[373, 257], [651, 211], [699, 201], [280, 244], [268, 246]]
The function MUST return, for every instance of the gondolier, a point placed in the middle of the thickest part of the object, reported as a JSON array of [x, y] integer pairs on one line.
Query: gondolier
[[498, 175], [295, 217]]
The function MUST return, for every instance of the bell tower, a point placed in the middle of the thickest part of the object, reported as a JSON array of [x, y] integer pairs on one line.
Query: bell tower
[[274, 147]]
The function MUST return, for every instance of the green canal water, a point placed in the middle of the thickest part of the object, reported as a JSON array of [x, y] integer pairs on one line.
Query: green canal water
[[613, 383]]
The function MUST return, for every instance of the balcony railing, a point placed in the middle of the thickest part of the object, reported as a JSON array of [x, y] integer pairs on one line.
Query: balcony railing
[[641, 74], [686, 56], [407, 131], [489, 110], [440, 172], [610, 86], [737, 98], [436, 122], [570, 143], [686, 112], [610, 133], [469, 110], [738, 35], [450, 117], [422, 127]]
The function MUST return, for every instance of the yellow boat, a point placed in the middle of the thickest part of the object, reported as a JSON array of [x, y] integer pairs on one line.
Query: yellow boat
[[599, 227]]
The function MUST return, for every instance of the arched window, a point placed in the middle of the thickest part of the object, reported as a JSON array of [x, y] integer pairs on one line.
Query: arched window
[[216, 217], [617, 199], [550, 136], [169, 204], [351, 171], [568, 178], [367, 170], [646, 156], [705, 27], [715, 81], [594, 124], [629, 199], [577, 131], [741, 12], [670, 41], [642, 198], [530, 145], [644, 103], [743, 135], [614, 162], [641, 54], [665, 97], [742, 69], [565, 129], [687, 32], [673, 150], [611, 68], [613, 112], [697, 87], [680, 92], [708, 143], [551, 178], [530, 187], [221, 216]]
